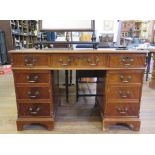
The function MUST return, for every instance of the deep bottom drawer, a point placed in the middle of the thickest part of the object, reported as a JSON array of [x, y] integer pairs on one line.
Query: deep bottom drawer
[[122, 109], [34, 109]]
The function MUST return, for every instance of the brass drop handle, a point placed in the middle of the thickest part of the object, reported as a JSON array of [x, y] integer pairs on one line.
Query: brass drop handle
[[127, 65], [127, 61], [30, 61], [33, 95], [122, 78], [93, 64], [124, 94], [122, 111], [32, 79], [65, 64], [34, 111]]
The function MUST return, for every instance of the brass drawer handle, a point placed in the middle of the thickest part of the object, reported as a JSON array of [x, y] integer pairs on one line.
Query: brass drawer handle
[[33, 95], [122, 78], [34, 110], [127, 61], [30, 61], [127, 65], [93, 64], [32, 79], [124, 94], [65, 64], [122, 111]]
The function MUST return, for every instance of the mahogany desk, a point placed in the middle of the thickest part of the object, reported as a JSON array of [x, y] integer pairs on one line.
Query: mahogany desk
[[119, 89]]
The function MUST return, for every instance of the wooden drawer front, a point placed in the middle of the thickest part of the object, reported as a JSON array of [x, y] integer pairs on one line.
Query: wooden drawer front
[[127, 60], [123, 92], [30, 60], [77, 60], [33, 93], [34, 109], [122, 109], [93, 60], [63, 61], [124, 77], [31, 77]]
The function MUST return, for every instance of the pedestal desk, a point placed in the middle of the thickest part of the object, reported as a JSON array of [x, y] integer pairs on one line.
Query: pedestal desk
[[119, 90]]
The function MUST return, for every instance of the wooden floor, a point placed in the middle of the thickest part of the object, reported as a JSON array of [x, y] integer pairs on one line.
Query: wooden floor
[[72, 117]]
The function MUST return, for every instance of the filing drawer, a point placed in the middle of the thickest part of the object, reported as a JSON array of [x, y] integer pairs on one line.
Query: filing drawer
[[30, 60], [123, 92], [127, 60], [30, 77], [125, 77], [34, 109], [33, 93], [78, 60], [122, 109]]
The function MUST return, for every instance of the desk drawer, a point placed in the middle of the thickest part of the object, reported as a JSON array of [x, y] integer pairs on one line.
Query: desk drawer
[[34, 109], [122, 109], [93, 60], [33, 93], [124, 77], [123, 92], [64, 61], [30, 60], [127, 60], [78, 61], [30, 77]]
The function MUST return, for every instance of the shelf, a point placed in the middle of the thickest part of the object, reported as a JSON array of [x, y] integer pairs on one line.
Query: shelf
[[24, 31], [19, 34]]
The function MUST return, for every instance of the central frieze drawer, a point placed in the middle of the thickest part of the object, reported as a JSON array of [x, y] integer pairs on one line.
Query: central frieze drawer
[[33, 93], [34, 109], [30, 60], [123, 92], [93, 60], [78, 60], [127, 60]]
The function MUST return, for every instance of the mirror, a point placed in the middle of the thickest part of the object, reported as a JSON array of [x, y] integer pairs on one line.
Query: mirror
[[67, 25]]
